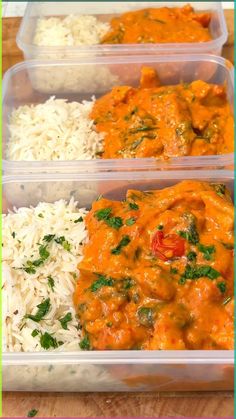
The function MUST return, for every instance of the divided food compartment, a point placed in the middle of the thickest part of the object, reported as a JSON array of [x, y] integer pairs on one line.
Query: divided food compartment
[[75, 80], [104, 11], [188, 370]]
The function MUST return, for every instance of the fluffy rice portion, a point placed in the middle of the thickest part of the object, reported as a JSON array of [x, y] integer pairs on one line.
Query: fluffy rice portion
[[24, 230], [69, 31], [54, 130]]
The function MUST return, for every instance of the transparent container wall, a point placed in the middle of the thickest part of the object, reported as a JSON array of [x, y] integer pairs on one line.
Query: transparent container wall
[[34, 82], [86, 187], [110, 370], [69, 373], [104, 11]]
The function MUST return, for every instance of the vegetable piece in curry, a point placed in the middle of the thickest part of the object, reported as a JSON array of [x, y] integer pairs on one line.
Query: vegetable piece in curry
[[164, 280], [188, 119], [160, 25]]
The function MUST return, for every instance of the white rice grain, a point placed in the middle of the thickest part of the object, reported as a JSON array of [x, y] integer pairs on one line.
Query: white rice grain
[[69, 31], [54, 130]]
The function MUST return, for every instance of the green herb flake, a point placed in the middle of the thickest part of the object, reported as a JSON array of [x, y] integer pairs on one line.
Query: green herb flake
[[131, 221], [136, 143], [31, 264], [160, 227], [219, 188], [85, 343], [102, 281], [173, 271], [123, 243], [145, 316], [43, 309], [37, 262], [196, 272], [127, 283], [109, 324], [191, 233], [103, 214], [32, 413], [222, 287], [64, 320], [47, 341], [29, 269], [35, 333], [48, 238], [51, 283], [79, 220], [142, 129], [192, 256], [114, 222], [182, 280], [133, 206], [43, 252], [13, 234], [128, 116], [207, 251], [63, 242], [40, 215]]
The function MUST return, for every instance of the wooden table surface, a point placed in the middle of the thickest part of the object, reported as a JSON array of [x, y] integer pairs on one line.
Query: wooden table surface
[[191, 404]]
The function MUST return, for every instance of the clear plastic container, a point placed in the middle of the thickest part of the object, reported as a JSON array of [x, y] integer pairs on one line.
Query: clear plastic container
[[104, 11], [111, 370], [35, 81]]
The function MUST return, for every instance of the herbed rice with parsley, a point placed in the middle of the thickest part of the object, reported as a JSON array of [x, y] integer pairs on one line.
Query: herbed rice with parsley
[[42, 247]]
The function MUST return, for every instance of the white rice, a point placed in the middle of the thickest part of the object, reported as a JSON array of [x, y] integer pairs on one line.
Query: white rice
[[23, 230], [75, 32], [69, 31], [54, 130]]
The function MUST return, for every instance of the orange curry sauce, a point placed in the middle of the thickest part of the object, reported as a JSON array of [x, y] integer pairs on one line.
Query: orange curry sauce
[[160, 25], [157, 271], [164, 121]]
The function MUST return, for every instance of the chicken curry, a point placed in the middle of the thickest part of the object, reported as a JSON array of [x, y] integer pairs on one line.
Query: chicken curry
[[157, 271], [160, 25], [188, 119]]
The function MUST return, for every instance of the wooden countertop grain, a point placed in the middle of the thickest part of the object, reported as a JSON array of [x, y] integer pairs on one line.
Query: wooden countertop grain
[[107, 405]]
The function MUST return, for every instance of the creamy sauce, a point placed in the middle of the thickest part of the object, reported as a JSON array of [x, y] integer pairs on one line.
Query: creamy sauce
[[191, 119], [160, 25], [157, 271]]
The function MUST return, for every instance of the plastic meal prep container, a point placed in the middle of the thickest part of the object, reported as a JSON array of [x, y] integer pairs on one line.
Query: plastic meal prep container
[[104, 11], [111, 370], [36, 81]]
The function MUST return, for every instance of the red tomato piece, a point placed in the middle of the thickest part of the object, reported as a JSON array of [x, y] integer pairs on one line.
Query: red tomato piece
[[167, 247]]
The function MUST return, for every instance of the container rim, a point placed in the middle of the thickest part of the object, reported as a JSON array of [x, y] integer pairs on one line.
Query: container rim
[[120, 59], [128, 47], [122, 164], [100, 165], [119, 175], [120, 357]]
